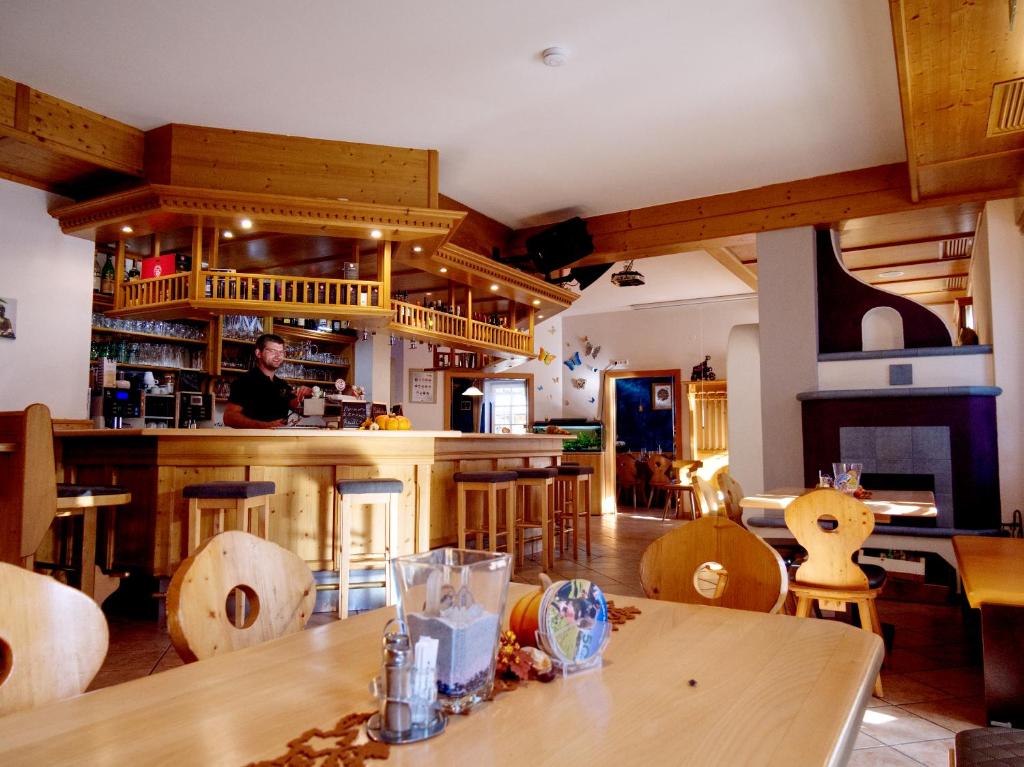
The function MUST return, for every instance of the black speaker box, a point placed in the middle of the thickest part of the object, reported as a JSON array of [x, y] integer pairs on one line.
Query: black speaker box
[[560, 245]]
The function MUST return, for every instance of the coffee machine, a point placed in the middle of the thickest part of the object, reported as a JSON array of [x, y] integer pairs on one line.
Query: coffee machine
[[119, 404], [195, 410]]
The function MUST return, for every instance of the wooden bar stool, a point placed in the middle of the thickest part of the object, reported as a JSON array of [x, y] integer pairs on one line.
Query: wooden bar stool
[[543, 478], [220, 496], [364, 492], [87, 500], [491, 483], [572, 490]]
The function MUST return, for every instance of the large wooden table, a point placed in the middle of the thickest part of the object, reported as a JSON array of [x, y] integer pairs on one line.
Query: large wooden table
[[770, 690], [993, 574], [887, 505]]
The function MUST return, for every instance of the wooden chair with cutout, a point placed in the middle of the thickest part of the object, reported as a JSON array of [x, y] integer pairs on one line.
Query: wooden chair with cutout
[[277, 585], [626, 476], [53, 640], [832, 526], [707, 498], [731, 494], [660, 467], [712, 561]]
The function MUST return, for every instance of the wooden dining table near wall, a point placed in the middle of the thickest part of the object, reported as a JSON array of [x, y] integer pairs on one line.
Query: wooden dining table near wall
[[680, 685]]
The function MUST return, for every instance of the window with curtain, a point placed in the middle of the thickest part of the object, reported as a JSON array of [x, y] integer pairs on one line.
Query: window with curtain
[[507, 405]]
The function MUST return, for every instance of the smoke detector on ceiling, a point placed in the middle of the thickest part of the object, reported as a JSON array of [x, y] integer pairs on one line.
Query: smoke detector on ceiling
[[555, 56], [628, 277]]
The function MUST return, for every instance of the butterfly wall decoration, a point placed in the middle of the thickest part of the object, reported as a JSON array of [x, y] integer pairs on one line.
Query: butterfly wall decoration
[[573, 361], [555, 379], [546, 357], [579, 383]]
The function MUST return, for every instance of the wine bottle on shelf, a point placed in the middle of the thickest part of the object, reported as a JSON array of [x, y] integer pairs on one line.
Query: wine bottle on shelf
[[96, 278], [107, 276]]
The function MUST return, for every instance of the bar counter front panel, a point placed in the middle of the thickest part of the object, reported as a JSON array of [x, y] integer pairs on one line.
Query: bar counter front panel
[[156, 464]]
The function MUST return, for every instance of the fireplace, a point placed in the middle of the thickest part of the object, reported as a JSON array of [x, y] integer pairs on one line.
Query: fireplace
[[943, 433]]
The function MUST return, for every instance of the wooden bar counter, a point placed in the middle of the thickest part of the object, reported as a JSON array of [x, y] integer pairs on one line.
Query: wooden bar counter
[[305, 464]]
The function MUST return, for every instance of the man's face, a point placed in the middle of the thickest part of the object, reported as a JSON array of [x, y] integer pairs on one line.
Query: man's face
[[271, 356]]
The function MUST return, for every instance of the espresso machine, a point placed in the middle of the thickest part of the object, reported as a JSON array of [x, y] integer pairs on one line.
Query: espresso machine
[[195, 410], [120, 404]]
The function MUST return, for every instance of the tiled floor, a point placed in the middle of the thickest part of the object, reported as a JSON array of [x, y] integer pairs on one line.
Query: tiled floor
[[933, 683]]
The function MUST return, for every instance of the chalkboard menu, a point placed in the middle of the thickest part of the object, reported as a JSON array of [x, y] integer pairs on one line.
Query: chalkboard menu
[[378, 408], [352, 414]]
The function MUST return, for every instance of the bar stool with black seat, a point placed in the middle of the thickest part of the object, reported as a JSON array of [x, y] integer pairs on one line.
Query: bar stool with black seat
[[544, 479], [572, 491], [490, 483], [246, 499], [353, 493]]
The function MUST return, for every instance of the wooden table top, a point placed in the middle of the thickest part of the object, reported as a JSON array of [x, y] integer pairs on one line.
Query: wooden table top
[[992, 569], [887, 505], [770, 690]]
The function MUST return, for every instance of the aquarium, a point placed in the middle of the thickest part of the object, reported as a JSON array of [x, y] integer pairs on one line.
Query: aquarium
[[581, 435]]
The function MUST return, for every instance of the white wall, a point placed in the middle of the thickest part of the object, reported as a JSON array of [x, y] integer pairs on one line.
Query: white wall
[[949, 370], [424, 417], [1003, 245], [650, 339], [547, 394], [746, 446], [50, 276], [787, 284]]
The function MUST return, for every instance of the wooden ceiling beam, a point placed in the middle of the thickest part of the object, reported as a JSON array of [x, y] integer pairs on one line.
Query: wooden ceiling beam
[[730, 219], [730, 261]]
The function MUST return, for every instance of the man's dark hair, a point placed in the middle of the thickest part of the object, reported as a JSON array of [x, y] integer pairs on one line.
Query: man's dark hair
[[268, 338]]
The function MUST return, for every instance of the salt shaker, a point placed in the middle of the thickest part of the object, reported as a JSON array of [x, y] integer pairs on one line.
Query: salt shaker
[[396, 710]]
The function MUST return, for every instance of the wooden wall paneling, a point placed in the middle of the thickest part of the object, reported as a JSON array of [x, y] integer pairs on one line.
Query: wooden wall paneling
[[424, 488], [215, 158], [301, 511], [594, 461], [443, 525]]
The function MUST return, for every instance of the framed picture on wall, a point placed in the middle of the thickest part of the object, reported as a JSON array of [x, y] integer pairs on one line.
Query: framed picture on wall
[[421, 387], [8, 316], [661, 396]]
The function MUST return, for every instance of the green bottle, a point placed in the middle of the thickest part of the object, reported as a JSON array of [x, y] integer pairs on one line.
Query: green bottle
[[107, 277]]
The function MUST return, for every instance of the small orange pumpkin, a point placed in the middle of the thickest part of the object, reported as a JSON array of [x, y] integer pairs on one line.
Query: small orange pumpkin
[[524, 619]]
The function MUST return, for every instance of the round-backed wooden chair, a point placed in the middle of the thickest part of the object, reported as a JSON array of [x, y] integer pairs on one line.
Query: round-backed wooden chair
[[53, 640], [277, 586], [712, 561], [832, 526]]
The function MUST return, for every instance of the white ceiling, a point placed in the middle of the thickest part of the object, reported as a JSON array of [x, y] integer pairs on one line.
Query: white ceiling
[[679, 277], [661, 99]]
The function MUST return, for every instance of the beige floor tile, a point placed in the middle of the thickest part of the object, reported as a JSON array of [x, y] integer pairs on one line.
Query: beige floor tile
[[866, 741], [893, 726], [955, 714], [931, 753], [880, 757]]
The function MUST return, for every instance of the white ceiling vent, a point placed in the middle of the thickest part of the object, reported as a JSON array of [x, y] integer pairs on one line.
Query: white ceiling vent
[[956, 248], [1007, 112]]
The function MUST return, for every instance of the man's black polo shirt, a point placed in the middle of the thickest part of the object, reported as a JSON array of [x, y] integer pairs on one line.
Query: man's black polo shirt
[[261, 398]]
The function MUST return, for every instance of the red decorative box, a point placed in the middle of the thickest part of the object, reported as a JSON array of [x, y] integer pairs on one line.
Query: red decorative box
[[157, 266]]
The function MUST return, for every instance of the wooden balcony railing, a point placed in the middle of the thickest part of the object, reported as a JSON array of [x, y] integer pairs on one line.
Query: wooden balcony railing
[[153, 291], [459, 331], [421, 318], [287, 292], [495, 335]]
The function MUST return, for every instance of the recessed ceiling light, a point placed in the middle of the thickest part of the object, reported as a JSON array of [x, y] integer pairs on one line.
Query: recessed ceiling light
[[893, 273], [443, 269], [540, 316], [228, 234], [494, 287], [127, 229], [376, 234], [536, 302], [417, 248], [428, 293], [245, 223]]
